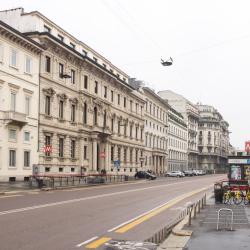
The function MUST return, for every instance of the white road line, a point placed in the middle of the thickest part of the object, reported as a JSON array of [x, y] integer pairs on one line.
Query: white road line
[[10, 196], [86, 198], [137, 217], [87, 241]]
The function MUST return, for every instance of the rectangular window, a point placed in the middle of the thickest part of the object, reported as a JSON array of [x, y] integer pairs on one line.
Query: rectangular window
[[12, 158], [85, 82], [85, 150], [119, 127], [13, 58], [105, 92], [125, 155], [61, 113], [72, 45], [12, 134], [131, 105], [46, 29], [47, 64], [85, 113], [119, 153], [61, 147], [136, 132], [26, 159], [112, 125], [1, 53], [131, 155], [112, 95], [28, 65], [73, 112], [125, 102], [112, 153], [27, 105], [61, 38], [137, 105], [47, 105], [61, 70], [96, 87], [26, 136], [118, 99], [73, 149], [84, 52], [73, 76], [13, 101], [136, 155], [131, 130]]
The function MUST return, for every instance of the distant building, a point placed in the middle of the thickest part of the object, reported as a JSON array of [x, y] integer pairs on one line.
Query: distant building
[[213, 139], [177, 141], [156, 132], [19, 99], [191, 117]]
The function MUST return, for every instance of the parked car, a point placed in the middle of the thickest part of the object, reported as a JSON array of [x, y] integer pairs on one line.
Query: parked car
[[188, 173], [175, 174], [145, 175]]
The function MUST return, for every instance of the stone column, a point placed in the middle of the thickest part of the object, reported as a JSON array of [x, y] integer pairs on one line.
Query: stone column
[[94, 154], [107, 156]]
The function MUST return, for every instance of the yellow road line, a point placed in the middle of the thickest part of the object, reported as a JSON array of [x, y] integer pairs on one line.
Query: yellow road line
[[97, 243], [157, 211], [9, 196]]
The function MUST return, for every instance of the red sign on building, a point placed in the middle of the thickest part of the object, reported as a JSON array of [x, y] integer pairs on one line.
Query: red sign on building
[[247, 146], [102, 154]]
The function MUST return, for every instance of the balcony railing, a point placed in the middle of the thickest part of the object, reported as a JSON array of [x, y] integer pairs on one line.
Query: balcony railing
[[15, 118]]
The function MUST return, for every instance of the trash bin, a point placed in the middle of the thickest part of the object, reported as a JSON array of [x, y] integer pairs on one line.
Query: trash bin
[[218, 193], [126, 178]]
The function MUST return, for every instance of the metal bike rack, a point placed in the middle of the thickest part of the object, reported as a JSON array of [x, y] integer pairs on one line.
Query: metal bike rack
[[232, 217]]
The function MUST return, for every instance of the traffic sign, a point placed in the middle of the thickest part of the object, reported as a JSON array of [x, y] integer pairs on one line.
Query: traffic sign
[[102, 154], [117, 163]]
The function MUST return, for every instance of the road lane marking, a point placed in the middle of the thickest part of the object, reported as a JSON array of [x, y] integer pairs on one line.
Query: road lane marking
[[86, 198], [104, 186], [97, 243], [158, 210], [10, 196], [86, 241]]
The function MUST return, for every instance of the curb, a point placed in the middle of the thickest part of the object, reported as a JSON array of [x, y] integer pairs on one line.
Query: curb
[[67, 188]]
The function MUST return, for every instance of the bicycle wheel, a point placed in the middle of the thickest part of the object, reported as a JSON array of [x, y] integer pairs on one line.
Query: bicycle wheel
[[237, 200]]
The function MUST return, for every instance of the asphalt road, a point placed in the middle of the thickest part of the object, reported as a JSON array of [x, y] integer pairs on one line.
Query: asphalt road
[[89, 217]]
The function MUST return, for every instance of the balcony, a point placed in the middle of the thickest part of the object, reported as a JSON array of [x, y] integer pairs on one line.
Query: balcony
[[15, 118]]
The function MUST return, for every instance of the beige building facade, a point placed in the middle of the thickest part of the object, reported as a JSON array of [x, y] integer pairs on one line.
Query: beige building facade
[[191, 116], [19, 95], [90, 117], [156, 132], [213, 140], [177, 141]]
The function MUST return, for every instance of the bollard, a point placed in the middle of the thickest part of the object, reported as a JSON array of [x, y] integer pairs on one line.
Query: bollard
[[199, 206], [195, 206], [205, 200]]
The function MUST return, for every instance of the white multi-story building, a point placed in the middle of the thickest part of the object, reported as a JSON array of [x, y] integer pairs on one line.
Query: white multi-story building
[[177, 141], [19, 98], [191, 116], [156, 123], [89, 114], [213, 139]]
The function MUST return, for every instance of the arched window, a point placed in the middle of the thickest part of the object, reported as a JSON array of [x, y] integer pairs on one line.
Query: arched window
[[85, 113], [95, 115]]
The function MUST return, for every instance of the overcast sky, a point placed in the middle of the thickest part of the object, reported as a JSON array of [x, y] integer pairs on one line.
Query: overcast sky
[[209, 41]]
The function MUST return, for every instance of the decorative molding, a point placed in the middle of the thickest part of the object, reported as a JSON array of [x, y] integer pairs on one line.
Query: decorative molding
[[62, 96], [28, 91], [14, 86], [73, 100], [49, 91]]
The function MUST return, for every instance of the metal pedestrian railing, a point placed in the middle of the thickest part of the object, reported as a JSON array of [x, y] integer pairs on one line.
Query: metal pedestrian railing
[[191, 211], [59, 181]]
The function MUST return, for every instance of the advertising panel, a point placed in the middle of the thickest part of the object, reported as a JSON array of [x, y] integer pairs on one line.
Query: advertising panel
[[235, 172]]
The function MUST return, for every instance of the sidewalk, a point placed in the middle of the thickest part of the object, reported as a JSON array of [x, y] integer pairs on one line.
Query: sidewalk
[[204, 235]]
